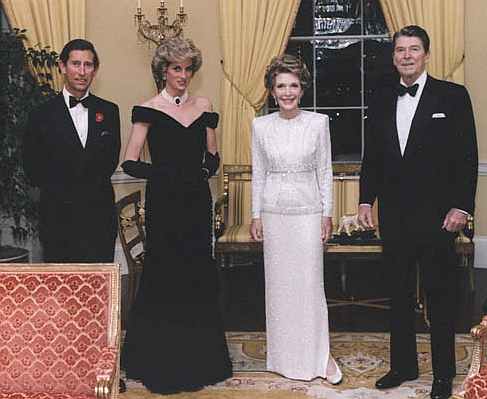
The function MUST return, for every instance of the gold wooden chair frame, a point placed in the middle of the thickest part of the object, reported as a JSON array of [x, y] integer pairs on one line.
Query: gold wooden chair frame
[[474, 386], [131, 232], [60, 328]]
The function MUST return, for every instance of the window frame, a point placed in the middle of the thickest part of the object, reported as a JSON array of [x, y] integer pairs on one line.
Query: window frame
[[362, 37]]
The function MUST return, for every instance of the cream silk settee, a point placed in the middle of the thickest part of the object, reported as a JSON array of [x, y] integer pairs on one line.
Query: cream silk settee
[[232, 224], [59, 331]]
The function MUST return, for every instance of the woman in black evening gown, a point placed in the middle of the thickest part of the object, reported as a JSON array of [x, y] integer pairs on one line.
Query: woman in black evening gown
[[175, 339]]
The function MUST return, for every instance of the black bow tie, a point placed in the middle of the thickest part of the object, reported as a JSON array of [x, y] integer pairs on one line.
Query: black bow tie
[[85, 102], [412, 90]]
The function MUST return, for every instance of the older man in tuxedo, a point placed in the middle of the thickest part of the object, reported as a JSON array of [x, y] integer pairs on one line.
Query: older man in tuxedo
[[420, 162], [71, 149]]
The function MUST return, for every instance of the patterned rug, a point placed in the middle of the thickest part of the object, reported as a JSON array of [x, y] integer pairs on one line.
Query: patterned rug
[[363, 357]]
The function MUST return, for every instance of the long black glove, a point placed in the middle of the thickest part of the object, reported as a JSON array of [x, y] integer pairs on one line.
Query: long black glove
[[142, 170], [210, 164]]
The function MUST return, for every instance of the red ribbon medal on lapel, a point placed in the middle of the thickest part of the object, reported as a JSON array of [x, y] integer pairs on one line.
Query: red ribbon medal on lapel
[[99, 117]]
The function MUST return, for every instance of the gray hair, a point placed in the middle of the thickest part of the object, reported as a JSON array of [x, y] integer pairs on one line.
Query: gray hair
[[174, 49]]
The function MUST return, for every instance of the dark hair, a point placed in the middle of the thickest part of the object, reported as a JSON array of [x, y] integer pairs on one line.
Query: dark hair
[[413, 31], [78, 44], [287, 63]]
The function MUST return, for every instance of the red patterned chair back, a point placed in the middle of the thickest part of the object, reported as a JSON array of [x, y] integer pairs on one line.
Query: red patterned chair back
[[59, 330], [475, 385]]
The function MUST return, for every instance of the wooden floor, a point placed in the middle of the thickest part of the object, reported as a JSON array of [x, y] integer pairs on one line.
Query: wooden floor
[[243, 297]]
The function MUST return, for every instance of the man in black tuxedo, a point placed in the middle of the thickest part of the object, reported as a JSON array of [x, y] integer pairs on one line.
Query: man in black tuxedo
[[420, 162], [71, 149]]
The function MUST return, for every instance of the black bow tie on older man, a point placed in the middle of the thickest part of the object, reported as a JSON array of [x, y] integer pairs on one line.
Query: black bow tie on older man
[[85, 102], [412, 90]]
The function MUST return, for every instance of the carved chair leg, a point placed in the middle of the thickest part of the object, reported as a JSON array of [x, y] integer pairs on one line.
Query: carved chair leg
[[343, 275], [470, 260]]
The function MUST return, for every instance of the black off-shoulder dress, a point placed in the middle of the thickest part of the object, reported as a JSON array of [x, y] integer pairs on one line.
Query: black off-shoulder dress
[[175, 339]]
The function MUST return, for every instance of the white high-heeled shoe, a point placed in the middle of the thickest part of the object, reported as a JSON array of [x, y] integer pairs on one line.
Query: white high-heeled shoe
[[336, 376], [335, 379]]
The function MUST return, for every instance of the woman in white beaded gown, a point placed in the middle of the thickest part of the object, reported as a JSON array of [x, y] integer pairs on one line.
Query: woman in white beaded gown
[[292, 187]]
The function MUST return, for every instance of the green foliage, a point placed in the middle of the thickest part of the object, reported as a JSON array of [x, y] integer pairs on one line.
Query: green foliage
[[20, 93]]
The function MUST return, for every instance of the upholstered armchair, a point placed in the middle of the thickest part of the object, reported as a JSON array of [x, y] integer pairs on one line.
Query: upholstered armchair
[[59, 331], [475, 384]]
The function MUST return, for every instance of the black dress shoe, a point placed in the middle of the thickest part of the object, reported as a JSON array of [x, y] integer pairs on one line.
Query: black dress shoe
[[393, 379], [121, 386], [441, 388]]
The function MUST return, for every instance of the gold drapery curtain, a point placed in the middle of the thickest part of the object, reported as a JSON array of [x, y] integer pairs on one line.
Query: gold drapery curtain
[[49, 23], [444, 22], [252, 32]]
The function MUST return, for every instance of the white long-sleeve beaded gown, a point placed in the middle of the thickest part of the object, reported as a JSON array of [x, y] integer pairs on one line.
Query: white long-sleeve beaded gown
[[292, 189]]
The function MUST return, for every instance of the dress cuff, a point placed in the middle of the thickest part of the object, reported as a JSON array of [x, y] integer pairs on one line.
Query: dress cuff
[[327, 213], [462, 211]]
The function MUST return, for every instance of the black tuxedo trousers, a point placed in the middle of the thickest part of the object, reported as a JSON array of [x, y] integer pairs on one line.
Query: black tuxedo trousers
[[78, 231], [435, 260]]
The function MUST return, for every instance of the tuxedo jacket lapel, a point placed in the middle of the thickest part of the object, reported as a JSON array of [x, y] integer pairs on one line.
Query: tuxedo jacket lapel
[[421, 118], [92, 125], [62, 117], [392, 138]]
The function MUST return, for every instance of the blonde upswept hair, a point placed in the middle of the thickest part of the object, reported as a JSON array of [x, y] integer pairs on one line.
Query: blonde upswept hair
[[174, 49]]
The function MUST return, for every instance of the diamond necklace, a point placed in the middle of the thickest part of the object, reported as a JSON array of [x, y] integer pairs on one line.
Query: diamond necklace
[[176, 100]]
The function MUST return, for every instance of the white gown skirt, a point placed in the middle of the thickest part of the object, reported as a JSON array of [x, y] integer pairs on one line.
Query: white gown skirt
[[298, 344]]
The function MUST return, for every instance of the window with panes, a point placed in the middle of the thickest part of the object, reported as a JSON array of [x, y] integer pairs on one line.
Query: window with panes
[[347, 48]]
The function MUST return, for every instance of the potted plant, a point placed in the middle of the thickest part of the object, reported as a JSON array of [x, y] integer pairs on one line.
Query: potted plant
[[20, 92]]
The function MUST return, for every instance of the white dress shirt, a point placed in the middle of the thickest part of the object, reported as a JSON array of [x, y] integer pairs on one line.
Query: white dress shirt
[[79, 115], [405, 110]]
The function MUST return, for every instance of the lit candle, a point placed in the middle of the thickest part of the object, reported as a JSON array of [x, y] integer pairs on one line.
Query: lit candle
[[138, 4], [181, 3]]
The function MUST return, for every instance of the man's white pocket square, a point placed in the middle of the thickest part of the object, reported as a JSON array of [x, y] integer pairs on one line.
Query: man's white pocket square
[[438, 115]]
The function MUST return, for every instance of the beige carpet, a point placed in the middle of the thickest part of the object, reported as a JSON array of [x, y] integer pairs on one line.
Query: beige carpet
[[363, 358]]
